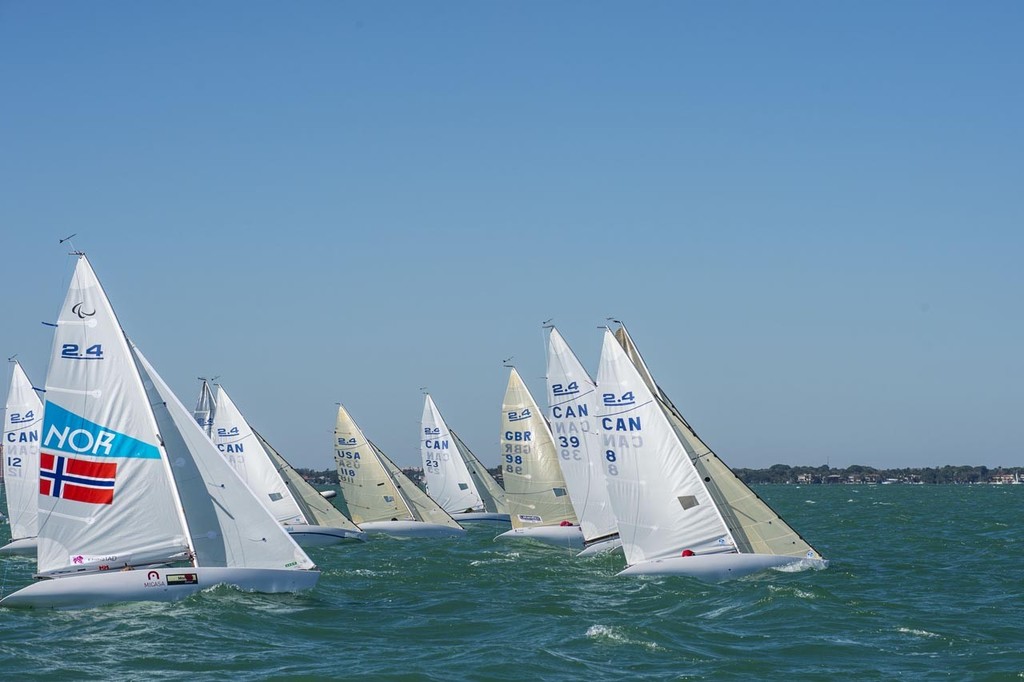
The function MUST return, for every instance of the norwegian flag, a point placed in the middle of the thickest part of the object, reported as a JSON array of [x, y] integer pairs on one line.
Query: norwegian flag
[[76, 479]]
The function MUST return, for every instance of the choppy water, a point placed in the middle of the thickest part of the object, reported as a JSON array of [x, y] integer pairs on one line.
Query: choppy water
[[926, 582]]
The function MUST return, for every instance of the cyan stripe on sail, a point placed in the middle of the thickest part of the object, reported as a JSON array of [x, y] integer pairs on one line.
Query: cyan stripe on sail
[[65, 431]]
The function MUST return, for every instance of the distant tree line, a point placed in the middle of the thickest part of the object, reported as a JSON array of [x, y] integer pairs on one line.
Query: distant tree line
[[330, 476], [783, 473]]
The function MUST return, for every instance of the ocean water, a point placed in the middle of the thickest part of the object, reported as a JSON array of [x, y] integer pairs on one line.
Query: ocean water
[[926, 582]]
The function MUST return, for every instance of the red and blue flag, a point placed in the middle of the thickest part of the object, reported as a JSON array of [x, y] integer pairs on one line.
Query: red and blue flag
[[76, 479]]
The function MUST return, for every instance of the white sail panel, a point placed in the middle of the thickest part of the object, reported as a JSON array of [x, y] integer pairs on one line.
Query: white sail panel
[[315, 507], [234, 438], [229, 527], [366, 491], [492, 494], [422, 506], [21, 455], [447, 479], [534, 486], [660, 502], [105, 491], [571, 399]]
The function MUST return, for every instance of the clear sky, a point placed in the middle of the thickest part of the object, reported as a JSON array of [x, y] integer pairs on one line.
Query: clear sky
[[808, 214]]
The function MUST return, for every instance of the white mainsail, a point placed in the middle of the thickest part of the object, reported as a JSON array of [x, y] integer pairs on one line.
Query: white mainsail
[[675, 512], [375, 494], [447, 478], [128, 479], [755, 526], [104, 489], [534, 486], [571, 399], [21, 462], [234, 437]]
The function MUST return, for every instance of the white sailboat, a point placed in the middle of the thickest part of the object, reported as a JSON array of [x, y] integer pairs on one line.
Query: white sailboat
[[377, 495], [537, 497], [21, 462], [571, 400], [680, 509], [135, 502], [453, 475], [260, 466]]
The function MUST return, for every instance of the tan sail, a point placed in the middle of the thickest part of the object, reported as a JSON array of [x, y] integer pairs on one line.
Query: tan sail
[[315, 507], [423, 507], [367, 492], [534, 486]]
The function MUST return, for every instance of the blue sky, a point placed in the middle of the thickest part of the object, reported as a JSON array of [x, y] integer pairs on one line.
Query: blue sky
[[808, 214]]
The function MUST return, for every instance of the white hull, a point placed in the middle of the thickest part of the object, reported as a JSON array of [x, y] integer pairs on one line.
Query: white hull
[[482, 516], [602, 547], [719, 567], [412, 529], [322, 536], [560, 536], [20, 547], [159, 584]]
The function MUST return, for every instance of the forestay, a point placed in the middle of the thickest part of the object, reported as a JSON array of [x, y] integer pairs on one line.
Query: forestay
[[571, 399], [534, 486], [21, 454]]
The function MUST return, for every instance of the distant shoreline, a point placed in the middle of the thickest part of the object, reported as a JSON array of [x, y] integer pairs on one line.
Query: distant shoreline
[[805, 475]]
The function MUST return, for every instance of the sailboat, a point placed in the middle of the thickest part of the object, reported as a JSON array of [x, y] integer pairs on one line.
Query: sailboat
[[377, 495], [264, 470], [135, 502], [21, 462], [571, 400], [454, 477], [680, 509], [538, 500]]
